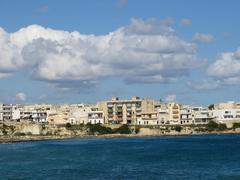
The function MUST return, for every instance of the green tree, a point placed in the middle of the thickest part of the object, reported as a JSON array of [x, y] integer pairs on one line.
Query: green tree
[[124, 129], [222, 127], [211, 107], [236, 125], [98, 129], [68, 125], [211, 126], [178, 128]]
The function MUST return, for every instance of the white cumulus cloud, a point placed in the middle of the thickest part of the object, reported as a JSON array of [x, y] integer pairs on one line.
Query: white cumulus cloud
[[226, 68], [142, 52]]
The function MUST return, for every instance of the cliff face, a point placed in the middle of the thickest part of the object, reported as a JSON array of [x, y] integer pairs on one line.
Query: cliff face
[[158, 132], [34, 129]]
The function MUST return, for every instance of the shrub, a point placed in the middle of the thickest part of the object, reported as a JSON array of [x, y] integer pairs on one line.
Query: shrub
[[211, 107], [29, 134], [137, 129], [98, 129], [68, 125], [236, 125], [19, 134], [211, 126], [222, 127], [124, 129], [178, 128]]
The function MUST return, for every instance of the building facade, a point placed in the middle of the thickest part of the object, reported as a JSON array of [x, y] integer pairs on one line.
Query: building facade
[[129, 111]]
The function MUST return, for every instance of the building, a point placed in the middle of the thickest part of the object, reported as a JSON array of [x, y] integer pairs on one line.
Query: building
[[10, 112], [78, 114], [201, 115], [1, 113], [174, 113], [40, 115], [129, 111], [58, 118], [227, 105], [148, 118], [227, 116], [186, 115], [95, 116]]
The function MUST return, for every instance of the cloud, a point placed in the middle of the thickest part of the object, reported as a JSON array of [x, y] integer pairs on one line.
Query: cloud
[[185, 22], [4, 75], [21, 96], [223, 72], [226, 68], [202, 38], [142, 52], [170, 98], [204, 85]]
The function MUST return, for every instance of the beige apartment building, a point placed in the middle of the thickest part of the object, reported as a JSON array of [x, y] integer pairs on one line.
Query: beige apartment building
[[174, 113], [58, 118], [125, 111], [227, 105]]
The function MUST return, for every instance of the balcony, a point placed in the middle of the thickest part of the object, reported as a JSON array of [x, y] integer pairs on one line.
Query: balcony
[[175, 112], [175, 107]]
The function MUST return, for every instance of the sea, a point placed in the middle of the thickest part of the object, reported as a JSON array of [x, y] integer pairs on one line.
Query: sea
[[175, 157]]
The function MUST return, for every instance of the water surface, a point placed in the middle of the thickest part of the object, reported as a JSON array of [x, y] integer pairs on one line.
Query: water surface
[[190, 157]]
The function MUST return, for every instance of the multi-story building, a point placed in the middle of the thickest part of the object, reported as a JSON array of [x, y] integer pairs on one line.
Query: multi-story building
[[58, 118], [186, 115], [201, 115], [148, 118], [40, 115], [227, 116], [1, 113], [162, 112], [10, 112], [78, 114], [174, 113], [95, 116], [227, 105], [119, 111]]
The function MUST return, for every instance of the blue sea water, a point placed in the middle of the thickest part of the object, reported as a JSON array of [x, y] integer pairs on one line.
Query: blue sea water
[[185, 157]]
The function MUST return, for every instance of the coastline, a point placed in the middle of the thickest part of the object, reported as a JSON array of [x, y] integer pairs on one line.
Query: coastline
[[18, 139]]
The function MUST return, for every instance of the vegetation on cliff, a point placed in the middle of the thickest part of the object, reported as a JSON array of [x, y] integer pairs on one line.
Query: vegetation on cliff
[[213, 126]]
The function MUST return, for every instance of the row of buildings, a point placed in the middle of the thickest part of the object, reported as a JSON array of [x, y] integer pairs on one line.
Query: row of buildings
[[134, 111]]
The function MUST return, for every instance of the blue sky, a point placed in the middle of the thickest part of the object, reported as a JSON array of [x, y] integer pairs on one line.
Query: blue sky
[[33, 69]]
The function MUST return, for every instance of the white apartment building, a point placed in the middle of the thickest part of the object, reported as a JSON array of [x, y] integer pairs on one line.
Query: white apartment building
[[10, 112], [201, 115], [148, 118], [78, 114], [186, 115], [95, 116], [40, 115], [226, 114]]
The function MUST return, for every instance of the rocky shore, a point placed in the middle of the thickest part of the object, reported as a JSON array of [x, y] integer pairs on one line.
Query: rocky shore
[[14, 139]]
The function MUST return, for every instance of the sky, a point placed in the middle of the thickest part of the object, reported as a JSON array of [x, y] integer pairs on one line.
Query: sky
[[86, 51]]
